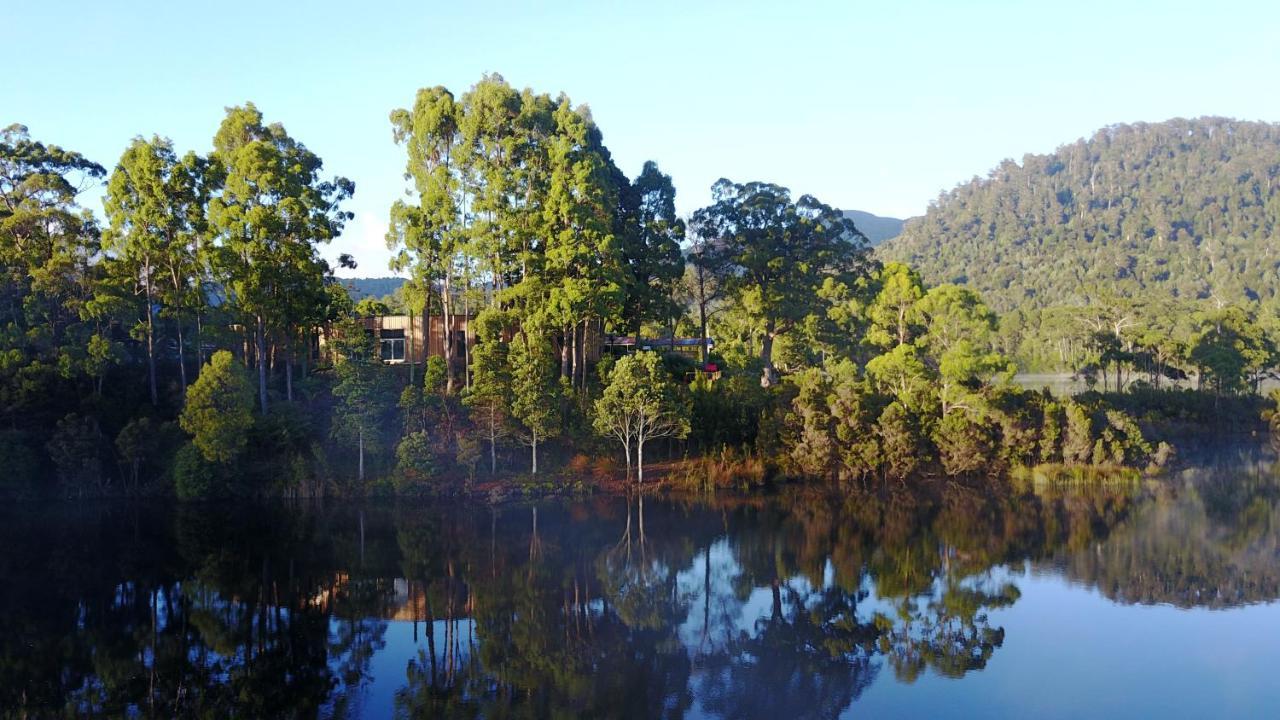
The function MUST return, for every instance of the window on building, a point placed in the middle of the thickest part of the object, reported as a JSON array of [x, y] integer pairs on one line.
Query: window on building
[[391, 344]]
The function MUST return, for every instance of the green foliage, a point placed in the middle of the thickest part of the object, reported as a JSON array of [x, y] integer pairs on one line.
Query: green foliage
[[900, 441], [195, 477], [640, 403], [21, 476], [219, 409], [76, 451], [535, 391], [364, 390], [773, 256], [415, 463]]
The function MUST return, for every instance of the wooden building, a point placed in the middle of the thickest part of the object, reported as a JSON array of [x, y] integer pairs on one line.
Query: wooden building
[[404, 339]]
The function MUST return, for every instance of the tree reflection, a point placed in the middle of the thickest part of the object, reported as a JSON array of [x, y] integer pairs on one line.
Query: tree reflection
[[790, 606]]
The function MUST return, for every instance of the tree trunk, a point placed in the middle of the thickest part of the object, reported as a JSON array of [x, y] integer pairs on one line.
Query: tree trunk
[[640, 465], [199, 342], [769, 376], [446, 307], [360, 472], [260, 348], [573, 355], [151, 350], [182, 361], [410, 352], [288, 371], [702, 329], [565, 344], [535, 453], [493, 440]]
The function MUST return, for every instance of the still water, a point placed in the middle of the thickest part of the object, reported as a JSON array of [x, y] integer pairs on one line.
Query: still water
[[1133, 600]]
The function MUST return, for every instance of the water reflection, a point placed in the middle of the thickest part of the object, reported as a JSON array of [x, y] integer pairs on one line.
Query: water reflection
[[790, 606]]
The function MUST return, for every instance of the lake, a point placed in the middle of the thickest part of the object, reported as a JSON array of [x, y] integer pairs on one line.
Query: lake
[[1155, 598]]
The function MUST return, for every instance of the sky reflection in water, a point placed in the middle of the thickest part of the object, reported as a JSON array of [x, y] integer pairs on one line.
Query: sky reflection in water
[[1130, 600]]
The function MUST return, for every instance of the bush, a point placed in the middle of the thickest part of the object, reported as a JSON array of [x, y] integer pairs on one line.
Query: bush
[[415, 464], [194, 477], [76, 451], [964, 445]]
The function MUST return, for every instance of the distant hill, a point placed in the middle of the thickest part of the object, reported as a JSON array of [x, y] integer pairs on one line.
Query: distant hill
[[876, 228], [1183, 208], [371, 287]]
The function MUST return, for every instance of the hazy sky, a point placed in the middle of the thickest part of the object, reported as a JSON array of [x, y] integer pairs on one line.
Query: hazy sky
[[877, 106]]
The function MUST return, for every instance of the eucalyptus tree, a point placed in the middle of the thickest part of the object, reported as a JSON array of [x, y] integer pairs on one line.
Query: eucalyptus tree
[[534, 389], [892, 310], [641, 403], [651, 237], [47, 245], [155, 207], [428, 234], [583, 266], [775, 254], [270, 212]]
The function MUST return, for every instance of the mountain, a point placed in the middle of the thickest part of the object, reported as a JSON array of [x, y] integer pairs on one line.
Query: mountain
[[876, 228], [371, 287], [1183, 208]]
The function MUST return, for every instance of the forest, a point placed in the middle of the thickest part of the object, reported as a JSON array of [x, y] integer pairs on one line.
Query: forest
[[196, 343], [1148, 233]]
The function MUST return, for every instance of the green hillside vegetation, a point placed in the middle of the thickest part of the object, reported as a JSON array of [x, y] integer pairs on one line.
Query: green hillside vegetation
[[1153, 225]]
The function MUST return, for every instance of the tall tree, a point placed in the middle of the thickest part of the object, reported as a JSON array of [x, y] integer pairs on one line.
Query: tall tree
[[47, 244], [428, 235], [272, 210], [364, 390], [775, 254], [651, 237], [534, 390], [155, 206], [489, 396]]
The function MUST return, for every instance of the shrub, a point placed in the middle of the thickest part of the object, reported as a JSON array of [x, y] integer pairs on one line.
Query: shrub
[[194, 477], [415, 464]]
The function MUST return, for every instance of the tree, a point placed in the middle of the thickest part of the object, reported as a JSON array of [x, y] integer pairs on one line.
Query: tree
[[893, 310], [650, 248], [775, 255], [1231, 349], [428, 236], [155, 206], [363, 389], [218, 412], [490, 391], [534, 390], [956, 340], [271, 211], [47, 245], [641, 403]]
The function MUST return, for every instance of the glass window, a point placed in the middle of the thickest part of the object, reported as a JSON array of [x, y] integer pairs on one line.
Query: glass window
[[392, 349]]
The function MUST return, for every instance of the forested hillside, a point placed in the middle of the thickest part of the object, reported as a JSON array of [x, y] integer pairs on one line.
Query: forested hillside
[[373, 287], [1183, 209]]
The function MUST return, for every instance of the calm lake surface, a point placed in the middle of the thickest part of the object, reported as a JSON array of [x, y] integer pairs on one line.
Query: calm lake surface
[[1142, 600]]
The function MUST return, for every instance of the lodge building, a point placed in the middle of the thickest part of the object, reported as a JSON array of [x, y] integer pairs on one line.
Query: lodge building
[[404, 339]]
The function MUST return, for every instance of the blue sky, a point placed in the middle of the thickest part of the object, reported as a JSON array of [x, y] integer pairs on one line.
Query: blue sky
[[871, 105]]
